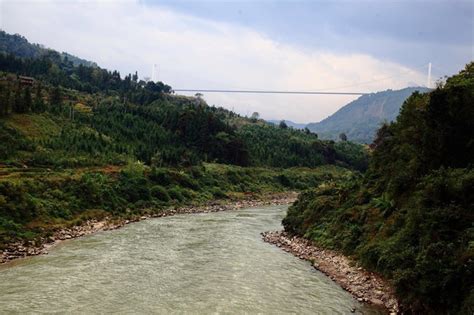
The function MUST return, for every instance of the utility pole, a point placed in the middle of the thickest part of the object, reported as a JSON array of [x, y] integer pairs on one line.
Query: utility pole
[[153, 73], [428, 82]]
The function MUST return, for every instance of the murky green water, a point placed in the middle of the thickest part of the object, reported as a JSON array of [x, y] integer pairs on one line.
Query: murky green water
[[204, 263]]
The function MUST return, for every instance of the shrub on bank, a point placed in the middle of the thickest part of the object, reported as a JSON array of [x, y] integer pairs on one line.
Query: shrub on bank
[[160, 193], [29, 206], [176, 194]]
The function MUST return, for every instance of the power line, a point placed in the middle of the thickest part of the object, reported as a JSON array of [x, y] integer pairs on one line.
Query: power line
[[325, 91], [269, 92]]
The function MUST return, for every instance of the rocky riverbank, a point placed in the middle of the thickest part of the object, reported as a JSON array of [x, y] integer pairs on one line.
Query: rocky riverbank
[[43, 245], [363, 285]]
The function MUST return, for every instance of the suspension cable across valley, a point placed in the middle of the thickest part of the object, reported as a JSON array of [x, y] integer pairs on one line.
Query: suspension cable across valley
[[269, 92]]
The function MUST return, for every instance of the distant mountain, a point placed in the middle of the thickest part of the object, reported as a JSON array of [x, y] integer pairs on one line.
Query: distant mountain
[[361, 118], [20, 47], [289, 123]]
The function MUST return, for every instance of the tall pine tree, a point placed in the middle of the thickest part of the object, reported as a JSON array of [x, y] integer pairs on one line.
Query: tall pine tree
[[17, 100], [38, 105], [27, 102], [56, 101]]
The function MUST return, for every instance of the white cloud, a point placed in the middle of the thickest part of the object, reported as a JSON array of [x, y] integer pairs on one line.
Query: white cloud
[[197, 53]]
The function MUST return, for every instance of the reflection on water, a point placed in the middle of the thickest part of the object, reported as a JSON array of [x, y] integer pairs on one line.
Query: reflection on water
[[203, 263]]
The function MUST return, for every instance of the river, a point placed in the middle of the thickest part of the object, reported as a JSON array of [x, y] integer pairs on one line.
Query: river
[[202, 263]]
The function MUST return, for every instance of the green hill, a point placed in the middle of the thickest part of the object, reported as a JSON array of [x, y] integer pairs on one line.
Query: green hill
[[111, 119], [82, 141], [361, 118], [410, 216], [20, 47]]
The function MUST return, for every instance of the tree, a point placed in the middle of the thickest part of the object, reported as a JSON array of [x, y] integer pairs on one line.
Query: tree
[[26, 100], [308, 132], [199, 99], [255, 116], [283, 125], [17, 101], [343, 136], [56, 101], [4, 100], [38, 105], [198, 95]]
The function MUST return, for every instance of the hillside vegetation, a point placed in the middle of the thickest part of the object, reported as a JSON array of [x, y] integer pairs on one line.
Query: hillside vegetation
[[106, 119], [34, 202], [360, 119], [410, 216], [82, 141], [65, 127], [19, 46]]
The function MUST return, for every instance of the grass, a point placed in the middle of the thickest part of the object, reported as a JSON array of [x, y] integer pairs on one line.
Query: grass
[[34, 126]]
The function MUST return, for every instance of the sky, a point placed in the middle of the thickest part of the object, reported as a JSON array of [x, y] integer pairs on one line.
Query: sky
[[348, 46]]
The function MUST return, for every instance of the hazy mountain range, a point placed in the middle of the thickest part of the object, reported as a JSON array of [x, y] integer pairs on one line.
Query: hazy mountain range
[[361, 118]]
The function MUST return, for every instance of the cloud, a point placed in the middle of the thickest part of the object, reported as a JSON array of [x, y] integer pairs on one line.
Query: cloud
[[194, 52]]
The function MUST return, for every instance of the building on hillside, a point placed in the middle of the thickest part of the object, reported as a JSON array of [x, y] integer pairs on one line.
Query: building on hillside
[[26, 81]]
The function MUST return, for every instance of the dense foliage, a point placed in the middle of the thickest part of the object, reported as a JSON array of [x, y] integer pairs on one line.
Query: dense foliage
[[411, 216], [71, 130], [103, 118], [287, 147], [172, 132], [36, 201]]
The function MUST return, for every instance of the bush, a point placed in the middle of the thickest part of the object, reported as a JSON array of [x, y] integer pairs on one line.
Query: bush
[[218, 193], [133, 186], [175, 194], [186, 181], [188, 194], [160, 176], [284, 180], [160, 193]]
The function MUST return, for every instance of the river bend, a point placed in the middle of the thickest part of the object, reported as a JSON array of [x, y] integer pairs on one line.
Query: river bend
[[213, 263]]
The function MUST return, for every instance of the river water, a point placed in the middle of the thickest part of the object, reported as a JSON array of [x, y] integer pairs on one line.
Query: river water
[[214, 263]]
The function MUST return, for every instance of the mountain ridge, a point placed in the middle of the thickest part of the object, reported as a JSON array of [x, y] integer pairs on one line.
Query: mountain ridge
[[19, 46], [361, 118]]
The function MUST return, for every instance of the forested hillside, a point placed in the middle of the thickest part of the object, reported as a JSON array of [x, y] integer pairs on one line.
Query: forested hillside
[[113, 119], [96, 129], [360, 119], [410, 216], [19, 46], [104, 145]]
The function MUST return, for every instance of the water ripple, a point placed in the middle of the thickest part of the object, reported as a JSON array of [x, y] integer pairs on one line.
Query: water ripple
[[211, 263]]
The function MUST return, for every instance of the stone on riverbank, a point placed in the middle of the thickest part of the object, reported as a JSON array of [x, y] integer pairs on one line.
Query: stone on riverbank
[[363, 285], [42, 245]]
